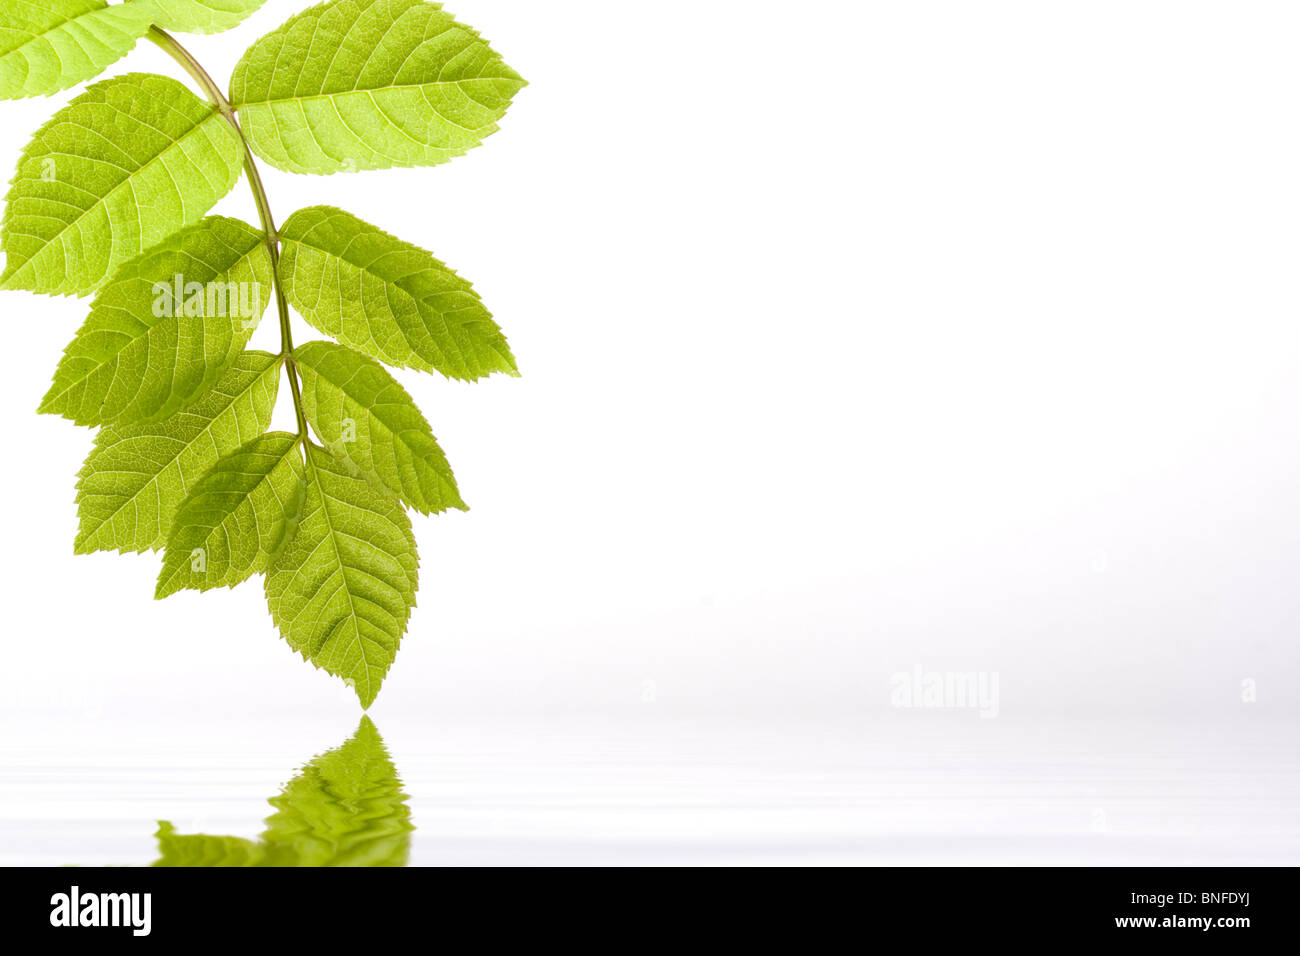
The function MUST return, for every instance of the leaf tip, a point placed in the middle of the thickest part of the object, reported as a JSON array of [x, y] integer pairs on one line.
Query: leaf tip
[[46, 407], [367, 697]]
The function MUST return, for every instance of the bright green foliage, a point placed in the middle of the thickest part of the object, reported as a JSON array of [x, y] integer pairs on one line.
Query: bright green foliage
[[199, 849], [342, 591], [137, 475], [387, 298], [238, 515], [112, 197], [365, 418], [166, 328], [346, 808], [119, 169], [370, 84], [50, 45], [201, 16]]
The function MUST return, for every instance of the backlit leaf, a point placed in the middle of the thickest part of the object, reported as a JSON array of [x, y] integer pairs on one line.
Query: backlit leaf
[[50, 45], [137, 475], [342, 591], [120, 168], [370, 84], [109, 199], [166, 328], [202, 16], [236, 517], [387, 298], [366, 418]]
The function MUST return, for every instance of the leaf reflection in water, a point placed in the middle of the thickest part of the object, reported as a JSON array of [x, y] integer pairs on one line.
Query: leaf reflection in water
[[346, 808]]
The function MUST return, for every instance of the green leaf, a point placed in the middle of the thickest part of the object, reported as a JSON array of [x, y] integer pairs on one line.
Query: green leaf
[[236, 517], [342, 591], [137, 475], [368, 420], [199, 849], [166, 328], [387, 298], [202, 16], [50, 45], [370, 84], [346, 808], [120, 168]]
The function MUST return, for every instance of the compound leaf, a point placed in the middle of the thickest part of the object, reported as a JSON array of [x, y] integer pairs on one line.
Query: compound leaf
[[387, 298], [370, 84], [137, 475], [236, 517], [341, 592], [110, 198], [120, 168], [202, 16], [166, 328], [50, 45], [367, 419]]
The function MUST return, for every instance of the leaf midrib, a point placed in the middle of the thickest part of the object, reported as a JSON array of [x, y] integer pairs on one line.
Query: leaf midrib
[[370, 408], [370, 91], [423, 308], [164, 322], [262, 478], [204, 432], [338, 557], [30, 264], [33, 37]]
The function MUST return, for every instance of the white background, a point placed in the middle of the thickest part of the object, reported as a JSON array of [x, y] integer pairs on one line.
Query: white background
[[854, 337]]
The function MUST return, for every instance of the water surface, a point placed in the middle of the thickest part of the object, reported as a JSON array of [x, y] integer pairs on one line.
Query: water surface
[[912, 790]]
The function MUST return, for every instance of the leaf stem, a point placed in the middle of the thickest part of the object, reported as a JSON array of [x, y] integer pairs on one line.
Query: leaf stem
[[169, 44]]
